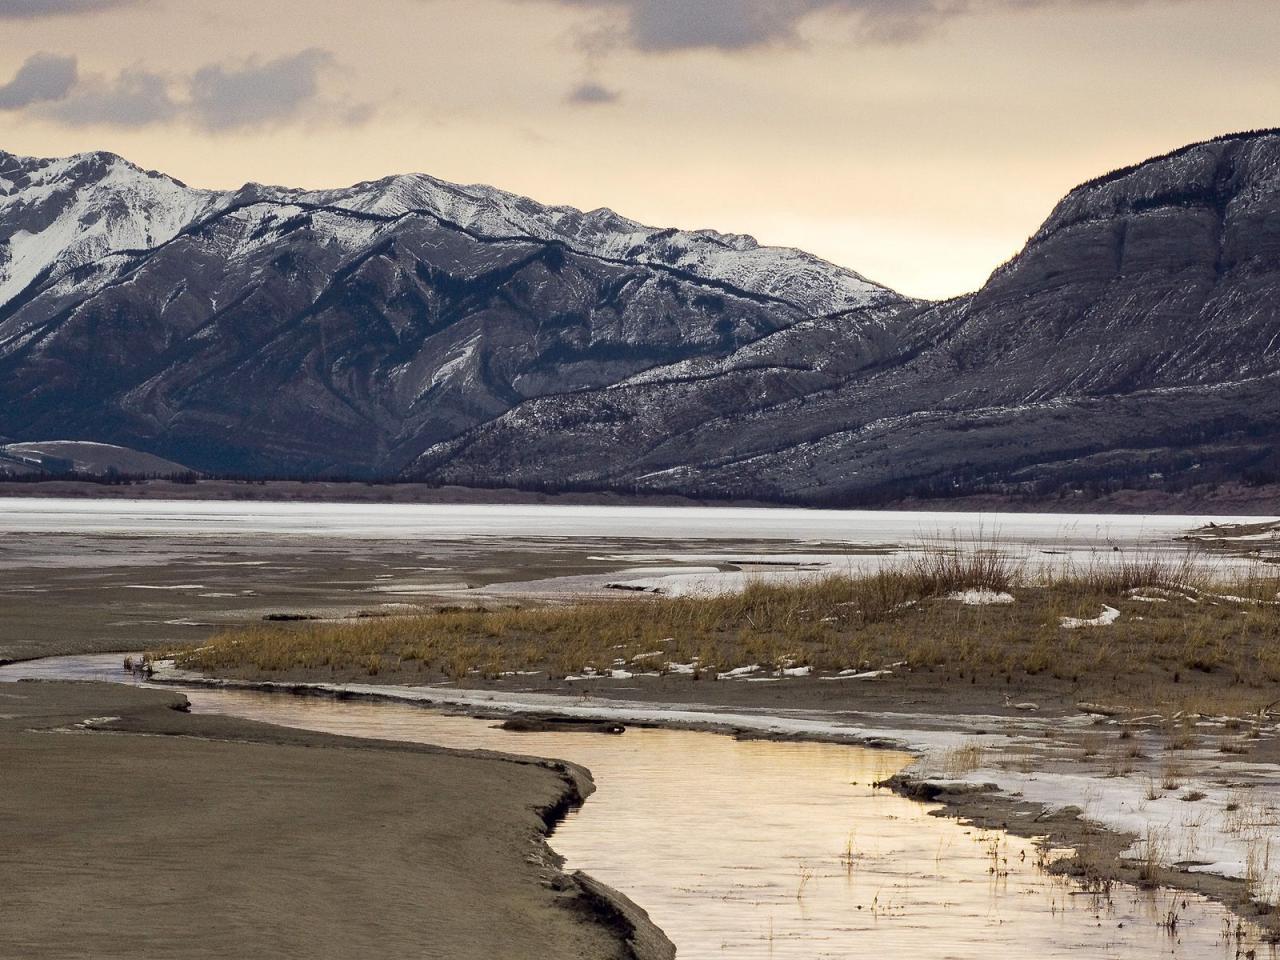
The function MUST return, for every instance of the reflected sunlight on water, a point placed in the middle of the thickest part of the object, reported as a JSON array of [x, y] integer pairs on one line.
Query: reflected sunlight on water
[[751, 849]]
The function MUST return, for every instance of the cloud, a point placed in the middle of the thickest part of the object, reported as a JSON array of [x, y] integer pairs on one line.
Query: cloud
[[216, 97], [43, 77], [35, 9], [254, 93], [591, 95], [732, 25], [135, 98]]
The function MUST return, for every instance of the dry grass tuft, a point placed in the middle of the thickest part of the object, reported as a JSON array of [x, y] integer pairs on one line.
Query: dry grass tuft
[[1117, 577], [1198, 652], [961, 760]]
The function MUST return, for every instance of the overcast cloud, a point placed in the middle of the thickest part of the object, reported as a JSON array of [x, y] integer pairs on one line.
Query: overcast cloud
[[591, 94], [34, 9], [253, 93], [135, 98], [44, 77], [664, 25], [222, 96]]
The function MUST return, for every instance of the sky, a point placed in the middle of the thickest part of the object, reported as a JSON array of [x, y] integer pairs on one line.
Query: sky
[[919, 142]]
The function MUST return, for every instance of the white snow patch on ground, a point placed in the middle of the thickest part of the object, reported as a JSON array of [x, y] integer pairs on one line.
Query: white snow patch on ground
[[981, 598], [859, 675], [715, 582], [1247, 601], [602, 675], [456, 362], [1108, 616]]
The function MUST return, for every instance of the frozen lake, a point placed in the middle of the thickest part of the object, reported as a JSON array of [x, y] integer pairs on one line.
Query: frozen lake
[[462, 522], [129, 573]]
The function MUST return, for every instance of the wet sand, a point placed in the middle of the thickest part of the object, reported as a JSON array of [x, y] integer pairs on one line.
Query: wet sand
[[917, 703], [130, 829], [71, 593]]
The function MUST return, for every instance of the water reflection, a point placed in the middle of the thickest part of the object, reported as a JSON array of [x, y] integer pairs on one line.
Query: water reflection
[[784, 850]]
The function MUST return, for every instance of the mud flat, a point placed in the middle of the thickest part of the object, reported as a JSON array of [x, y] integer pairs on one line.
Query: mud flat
[[1140, 800], [125, 573], [1192, 789], [129, 828], [773, 849]]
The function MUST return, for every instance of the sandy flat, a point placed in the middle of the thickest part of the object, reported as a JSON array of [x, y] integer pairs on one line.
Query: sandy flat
[[189, 837]]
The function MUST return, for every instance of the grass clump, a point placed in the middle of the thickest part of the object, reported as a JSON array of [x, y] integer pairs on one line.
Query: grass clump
[[1202, 648]]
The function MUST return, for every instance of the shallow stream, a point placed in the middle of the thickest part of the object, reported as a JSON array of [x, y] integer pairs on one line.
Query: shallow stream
[[763, 849]]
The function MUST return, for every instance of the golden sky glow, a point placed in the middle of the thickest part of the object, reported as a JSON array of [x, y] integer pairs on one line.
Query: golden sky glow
[[920, 151]]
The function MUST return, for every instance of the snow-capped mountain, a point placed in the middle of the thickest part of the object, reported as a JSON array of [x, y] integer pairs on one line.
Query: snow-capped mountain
[[58, 214], [272, 329], [463, 334], [779, 272]]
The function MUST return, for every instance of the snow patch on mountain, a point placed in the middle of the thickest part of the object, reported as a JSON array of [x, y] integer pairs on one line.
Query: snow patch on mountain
[[779, 272], [56, 215], [457, 362]]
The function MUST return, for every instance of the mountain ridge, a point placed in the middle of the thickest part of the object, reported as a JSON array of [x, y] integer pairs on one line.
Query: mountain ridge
[[232, 286], [1082, 312], [479, 210], [396, 327]]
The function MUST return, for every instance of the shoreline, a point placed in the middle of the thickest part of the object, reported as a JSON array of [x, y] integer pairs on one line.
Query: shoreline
[[137, 750], [346, 491], [1100, 848], [1098, 863], [1227, 499]]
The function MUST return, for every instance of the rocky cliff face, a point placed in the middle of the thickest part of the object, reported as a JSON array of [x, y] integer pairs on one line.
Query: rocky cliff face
[[1138, 330], [462, 334]]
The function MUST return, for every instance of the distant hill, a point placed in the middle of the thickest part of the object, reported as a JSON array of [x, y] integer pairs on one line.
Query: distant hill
[[83, 457]]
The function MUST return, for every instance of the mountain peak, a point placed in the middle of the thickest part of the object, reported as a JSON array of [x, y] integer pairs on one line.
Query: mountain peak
[[1240, 168], [57, 214], [1268, 133], [147, 208]]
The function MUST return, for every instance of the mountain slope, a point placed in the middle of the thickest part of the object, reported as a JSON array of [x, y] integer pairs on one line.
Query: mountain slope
[[345, 331], [1140, 326], [56, 457], [467, 335], [56, 215]]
